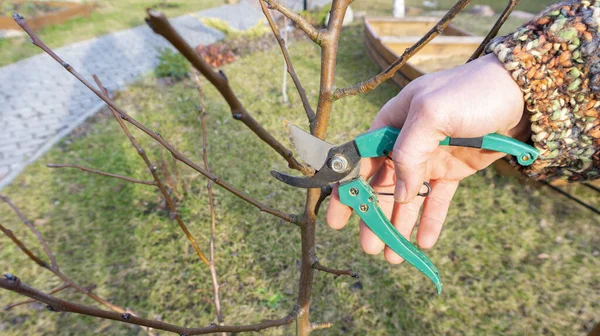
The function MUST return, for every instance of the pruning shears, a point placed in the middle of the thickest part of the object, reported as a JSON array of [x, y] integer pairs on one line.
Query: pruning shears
[[342, 164]]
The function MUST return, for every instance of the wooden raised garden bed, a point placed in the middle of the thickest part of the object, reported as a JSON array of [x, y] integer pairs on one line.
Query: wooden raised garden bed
[[387, 38], [55, 12]]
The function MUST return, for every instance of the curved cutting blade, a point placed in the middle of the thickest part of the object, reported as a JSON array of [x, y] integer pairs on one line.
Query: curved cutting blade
[[325, 175], [310, 148], [320, 179]]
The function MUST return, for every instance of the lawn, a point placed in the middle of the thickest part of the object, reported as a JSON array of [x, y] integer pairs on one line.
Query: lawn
[[109, 16], [514, 260]]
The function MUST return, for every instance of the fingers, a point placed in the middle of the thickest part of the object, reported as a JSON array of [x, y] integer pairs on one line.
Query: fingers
[[434, 212], [404, 218], [337, 213], [415, 146]]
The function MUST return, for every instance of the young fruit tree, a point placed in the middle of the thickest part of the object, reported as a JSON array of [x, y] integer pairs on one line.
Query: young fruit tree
[[317, 119]]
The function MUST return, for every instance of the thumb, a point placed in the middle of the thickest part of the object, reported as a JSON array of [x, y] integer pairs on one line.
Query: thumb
[[416, 144]]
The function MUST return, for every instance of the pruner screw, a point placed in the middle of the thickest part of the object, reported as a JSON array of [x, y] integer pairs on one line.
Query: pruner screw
[[353, 191], [363, 207], [339, 163]]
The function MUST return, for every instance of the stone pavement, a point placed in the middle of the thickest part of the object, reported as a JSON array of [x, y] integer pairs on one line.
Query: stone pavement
[[40, 102]]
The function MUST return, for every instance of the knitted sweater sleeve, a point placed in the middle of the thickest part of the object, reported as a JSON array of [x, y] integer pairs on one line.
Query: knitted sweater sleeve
[[555, 59]]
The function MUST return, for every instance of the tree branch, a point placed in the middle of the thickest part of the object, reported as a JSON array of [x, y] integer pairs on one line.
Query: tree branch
[[174, 214], [23, 248], [161, 26], [35, 231], [211, 205], [129, 179], [329, 50], [495, 29], [53, 291], [178, 155], [318, 266], [386, 74], [54, 269], [312, 32], [14, 284], [310, 114]]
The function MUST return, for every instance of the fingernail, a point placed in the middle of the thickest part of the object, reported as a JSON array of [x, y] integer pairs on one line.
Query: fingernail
[[400, 191]]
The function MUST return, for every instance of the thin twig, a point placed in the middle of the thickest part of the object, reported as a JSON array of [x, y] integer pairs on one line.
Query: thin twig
[[174, 214], [211, 205], [161, 26], [310, 114], [53, 291], [23, 248], [495, 29], [312, 32], [318, 266], [14, 284], [386, 74], [128, 179], [35, 231]]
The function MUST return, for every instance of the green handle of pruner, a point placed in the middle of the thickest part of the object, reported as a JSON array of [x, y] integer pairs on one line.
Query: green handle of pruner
[[359, 195], [380, 142]]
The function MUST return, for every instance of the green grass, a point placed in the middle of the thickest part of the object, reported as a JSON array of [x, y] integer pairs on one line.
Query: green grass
[[118, 236], [109, 16]]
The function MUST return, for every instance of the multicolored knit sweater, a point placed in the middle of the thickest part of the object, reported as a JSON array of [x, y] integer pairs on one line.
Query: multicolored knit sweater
[[555, 59]]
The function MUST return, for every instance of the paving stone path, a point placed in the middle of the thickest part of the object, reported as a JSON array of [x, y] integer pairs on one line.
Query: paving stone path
[[40, 102]]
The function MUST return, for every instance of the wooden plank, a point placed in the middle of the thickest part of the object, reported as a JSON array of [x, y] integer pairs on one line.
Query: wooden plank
[[467, 40], [410, 26]]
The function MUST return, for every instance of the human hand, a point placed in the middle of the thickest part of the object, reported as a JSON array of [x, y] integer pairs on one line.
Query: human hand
[[472, 100]]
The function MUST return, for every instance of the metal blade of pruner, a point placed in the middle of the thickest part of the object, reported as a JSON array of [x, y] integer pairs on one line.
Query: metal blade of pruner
[[333, 163]]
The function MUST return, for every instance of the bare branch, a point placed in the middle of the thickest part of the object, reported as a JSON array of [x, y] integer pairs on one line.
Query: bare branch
[[318, 266], [310, 114], [53, 291], [492, 33], [312, 32], [23, 248], [161, 26], [14, 284], [128, 179], [211, 205], [328, 63], [386, 74], [35, 231], [57, 272], [154, 171]]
